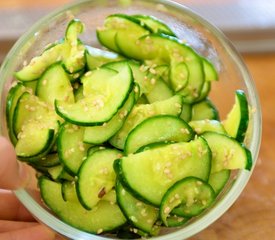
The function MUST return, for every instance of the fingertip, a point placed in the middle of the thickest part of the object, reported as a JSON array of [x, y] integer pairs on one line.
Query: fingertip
[[12, 174]]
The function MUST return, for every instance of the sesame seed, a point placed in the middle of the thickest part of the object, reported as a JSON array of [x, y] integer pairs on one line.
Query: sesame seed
[[153, 71], [167, 171], [204, 202], [149, 221], [139, 204], [167, 210], [101, 148], [25, 63], [199, 183], [123, 192], [99, 231], [172, 200], [87, 74], [143, 212], [133, 218], [136, 89], [153, 81], [86, 109], [177, 196]]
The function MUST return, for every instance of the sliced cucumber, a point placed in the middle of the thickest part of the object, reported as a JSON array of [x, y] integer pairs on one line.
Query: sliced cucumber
[[51, 160], [96, 221], [188, 197], [96, 177], [71, 149], [155, 24], [160, 90], [179, 75], [209, 71], [201, 126], [100, 134], [35, 141], [158, 129], [151, 173], [171, 106], [28, 107], [40, 63], [227, 153], [12, 99], [218, 180], [186, 112], [139, 214], [170, 50], [131, 29], [204, 110], [108, 96], [236, 122], [96, 57], [69, 51], [73, 59], [55, 84]]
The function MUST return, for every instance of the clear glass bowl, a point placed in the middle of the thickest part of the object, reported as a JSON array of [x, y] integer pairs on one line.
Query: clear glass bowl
[[199, 33]]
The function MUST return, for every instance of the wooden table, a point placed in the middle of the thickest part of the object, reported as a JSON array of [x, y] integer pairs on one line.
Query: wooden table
[[252, 217]]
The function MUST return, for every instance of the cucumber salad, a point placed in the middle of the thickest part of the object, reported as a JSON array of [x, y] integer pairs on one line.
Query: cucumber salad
[[125, 140]]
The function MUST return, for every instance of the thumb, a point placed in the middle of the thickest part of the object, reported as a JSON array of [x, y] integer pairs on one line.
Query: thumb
[[12, 173]]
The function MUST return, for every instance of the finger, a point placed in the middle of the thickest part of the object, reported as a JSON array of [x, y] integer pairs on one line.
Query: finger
[[8, 226], [12, 175], [36, 232], [12, 209]]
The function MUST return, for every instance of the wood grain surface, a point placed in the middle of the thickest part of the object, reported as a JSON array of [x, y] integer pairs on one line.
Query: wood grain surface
[[252, 217]]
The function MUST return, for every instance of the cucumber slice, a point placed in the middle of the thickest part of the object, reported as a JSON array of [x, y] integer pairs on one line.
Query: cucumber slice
[[179, 74], [160, 90], [108, 96], [101, 134], [51, 160], [95, 221], [129, 28], [151, 173], [71, 149], [73, 58], [96, 57], [158, 129], [218, 180], [176, 221], [170, 50], [55, 84], [96, 177], [155, 24], [139, 214], [29, 108], [209, 71], [69, 51], [35, 141], [12, 99], [55, 172], [171, 106], [186, 112], [31, 85], [236, 122], [227, 153], [204, 110], [201, 126], [40, 63], [92, 79], [188, 197], [204, 91]]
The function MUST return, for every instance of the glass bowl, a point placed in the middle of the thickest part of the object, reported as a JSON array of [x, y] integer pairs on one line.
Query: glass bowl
[[197, 32]]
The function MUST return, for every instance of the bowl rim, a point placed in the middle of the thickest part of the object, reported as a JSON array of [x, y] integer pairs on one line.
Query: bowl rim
[[223, 205]]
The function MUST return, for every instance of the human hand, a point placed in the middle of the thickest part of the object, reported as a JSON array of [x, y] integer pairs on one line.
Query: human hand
[[15, 221]]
